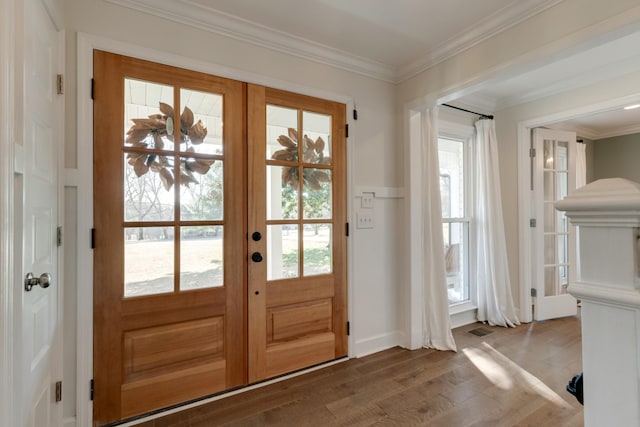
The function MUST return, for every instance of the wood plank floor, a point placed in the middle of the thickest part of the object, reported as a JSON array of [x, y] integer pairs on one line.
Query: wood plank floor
[[511, 377]]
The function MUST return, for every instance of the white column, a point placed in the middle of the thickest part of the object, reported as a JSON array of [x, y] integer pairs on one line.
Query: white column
[[607, 213]]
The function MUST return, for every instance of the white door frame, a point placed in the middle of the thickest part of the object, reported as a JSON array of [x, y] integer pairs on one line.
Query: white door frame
[[526, 249], [7, 133], [82, 179]]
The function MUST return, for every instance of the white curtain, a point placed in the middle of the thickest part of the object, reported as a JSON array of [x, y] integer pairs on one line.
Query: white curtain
[[581, 165], [495, 302], [435, 315]]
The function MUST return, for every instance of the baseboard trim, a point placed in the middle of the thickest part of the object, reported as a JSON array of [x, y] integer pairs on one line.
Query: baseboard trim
[[378, 343], [69, 422]]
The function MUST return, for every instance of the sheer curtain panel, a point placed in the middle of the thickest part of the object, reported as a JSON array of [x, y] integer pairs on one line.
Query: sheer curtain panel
[[435, 316], [495, 302]]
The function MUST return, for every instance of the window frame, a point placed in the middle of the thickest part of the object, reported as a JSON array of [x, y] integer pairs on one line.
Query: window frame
[[459, 311]]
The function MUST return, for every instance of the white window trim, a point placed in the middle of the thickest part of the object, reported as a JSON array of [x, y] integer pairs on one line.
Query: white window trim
[[464, 312]]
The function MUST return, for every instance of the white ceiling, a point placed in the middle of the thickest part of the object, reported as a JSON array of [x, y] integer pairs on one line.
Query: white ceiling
[[393, 40]]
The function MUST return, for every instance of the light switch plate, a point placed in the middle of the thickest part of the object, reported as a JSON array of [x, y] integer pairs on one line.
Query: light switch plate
[[364, 219], [367, 201]]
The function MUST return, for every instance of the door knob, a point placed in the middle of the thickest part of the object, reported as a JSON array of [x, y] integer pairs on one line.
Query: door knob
[[30, 281], [256, 236], [256, 257]]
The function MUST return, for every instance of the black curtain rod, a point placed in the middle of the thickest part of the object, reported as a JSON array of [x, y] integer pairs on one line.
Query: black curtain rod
[[482, 116]]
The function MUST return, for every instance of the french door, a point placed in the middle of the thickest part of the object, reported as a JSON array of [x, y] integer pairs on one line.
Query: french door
[[297, 297], [209, 274], [556, 255]]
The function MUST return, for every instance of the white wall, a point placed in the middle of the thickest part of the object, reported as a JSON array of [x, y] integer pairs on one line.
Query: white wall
[[564, 28], [375, 156], [617, 157]]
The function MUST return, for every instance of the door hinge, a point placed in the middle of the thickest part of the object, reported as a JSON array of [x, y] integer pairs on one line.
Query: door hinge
[[355, 114], [93, 238], [93, 88], [91, 384], [60, 84], [347, 130], [348, 328], [534, 292], [532, 223], [59, 236], [59, 391], [532, 152], [347, 229]]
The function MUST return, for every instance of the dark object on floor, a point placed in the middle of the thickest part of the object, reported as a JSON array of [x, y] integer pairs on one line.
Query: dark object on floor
[[575, 387], [480, 332]]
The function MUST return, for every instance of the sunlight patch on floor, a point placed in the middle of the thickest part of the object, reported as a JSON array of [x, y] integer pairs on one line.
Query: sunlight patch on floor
[[506, 374]]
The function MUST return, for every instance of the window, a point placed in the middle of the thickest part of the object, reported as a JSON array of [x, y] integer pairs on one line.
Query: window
[[454, 190]]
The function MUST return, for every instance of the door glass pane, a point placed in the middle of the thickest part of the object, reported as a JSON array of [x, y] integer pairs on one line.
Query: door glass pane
[[148, 261], [317, 138], [562, 156], [202, 189], [201, 257], [550, 249], [317, 249], [282, 133], [316, 194], [562, 249], [548, 148], [562, 183], [282, 249], [148, 114], [563, 223], [550, 281], [550, 215], [282, 192], [147, 193], [201, 122], [549, 181], [564, 279], [451, 159]]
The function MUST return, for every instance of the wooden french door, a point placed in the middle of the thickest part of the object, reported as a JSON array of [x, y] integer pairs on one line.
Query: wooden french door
[[297, 237], [169, 270], [209, 274]]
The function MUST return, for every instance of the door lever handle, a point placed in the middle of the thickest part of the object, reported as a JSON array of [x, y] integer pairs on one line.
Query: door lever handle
[[30, 281]]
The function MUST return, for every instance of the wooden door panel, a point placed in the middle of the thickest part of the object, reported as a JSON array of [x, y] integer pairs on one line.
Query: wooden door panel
[[166, 389], [295, 321], [178, 343], [298, 318], [300, 353]]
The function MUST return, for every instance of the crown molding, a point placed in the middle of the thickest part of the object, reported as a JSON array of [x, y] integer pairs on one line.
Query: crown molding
[[208, 19], [595, 135], [619, 131], [205, 18], [502, 20], [581, 131]]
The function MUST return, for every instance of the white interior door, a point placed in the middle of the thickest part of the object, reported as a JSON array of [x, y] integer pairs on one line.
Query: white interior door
[[38, 322], [555, 255]]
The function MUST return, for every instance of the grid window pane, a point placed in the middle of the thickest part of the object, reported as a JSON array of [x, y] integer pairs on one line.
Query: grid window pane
[[201, 257], [148, 261], [452, 177], [283, 248]]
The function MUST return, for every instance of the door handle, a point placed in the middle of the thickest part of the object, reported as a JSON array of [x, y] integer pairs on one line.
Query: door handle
[[30, 281], [256, 257]]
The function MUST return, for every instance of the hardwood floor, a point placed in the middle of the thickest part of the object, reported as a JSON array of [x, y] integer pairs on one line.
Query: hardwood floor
[[511, 377]]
